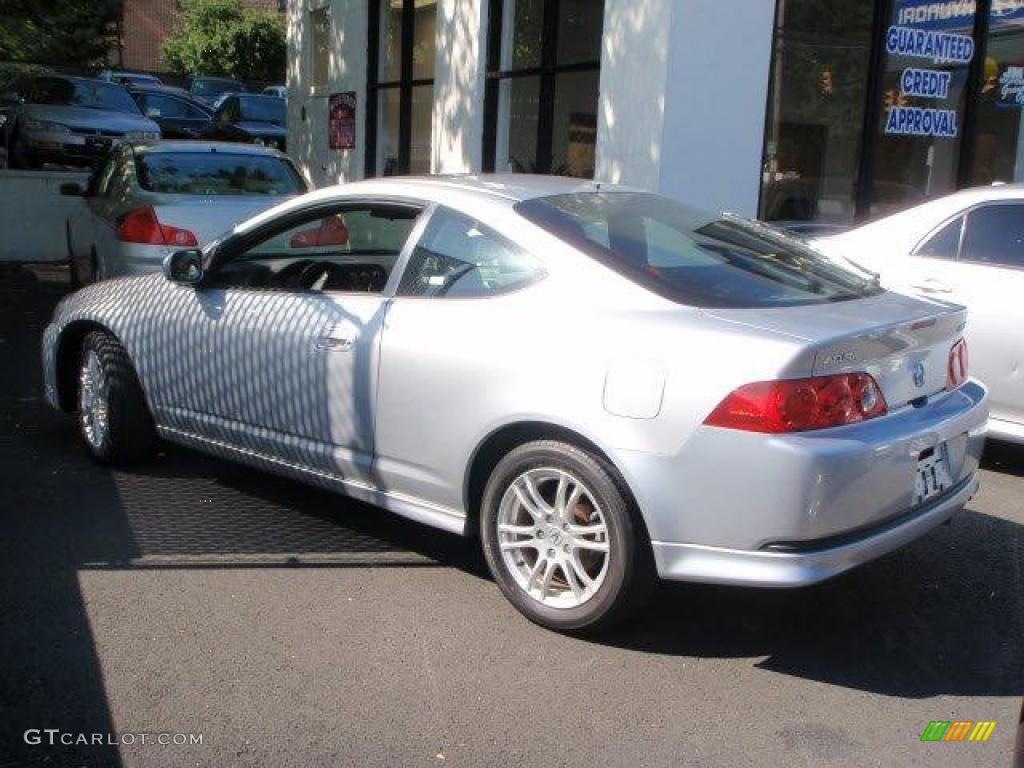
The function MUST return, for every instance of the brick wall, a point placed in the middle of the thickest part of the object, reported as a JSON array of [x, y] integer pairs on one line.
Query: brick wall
[[146, 23]]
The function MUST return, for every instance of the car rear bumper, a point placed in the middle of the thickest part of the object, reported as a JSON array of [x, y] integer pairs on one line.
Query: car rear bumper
[[693, 562], [782, 510]]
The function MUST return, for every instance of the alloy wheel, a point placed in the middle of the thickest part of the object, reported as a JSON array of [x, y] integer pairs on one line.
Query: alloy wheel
[[553, 537], [93, 400]]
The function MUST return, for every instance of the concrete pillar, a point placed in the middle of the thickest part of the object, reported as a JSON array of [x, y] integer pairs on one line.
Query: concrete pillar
[[459, 77], [308, 141], [684, 85]]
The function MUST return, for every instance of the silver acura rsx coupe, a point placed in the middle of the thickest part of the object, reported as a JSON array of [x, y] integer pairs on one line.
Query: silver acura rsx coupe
[[603, 384]]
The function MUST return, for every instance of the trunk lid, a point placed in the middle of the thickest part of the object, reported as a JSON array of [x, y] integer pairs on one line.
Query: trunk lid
[[903, 342], [211, 217]]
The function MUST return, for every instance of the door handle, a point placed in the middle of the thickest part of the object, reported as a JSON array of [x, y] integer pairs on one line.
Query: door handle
[[333, 343]]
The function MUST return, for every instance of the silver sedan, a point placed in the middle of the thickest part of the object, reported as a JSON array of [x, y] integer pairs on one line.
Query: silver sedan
[[603, 384]]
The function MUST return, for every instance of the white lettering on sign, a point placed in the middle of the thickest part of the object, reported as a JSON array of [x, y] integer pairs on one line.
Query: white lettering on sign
[[1011, 85], [940, 47], [917, 121], [928, 83], [922, 14]]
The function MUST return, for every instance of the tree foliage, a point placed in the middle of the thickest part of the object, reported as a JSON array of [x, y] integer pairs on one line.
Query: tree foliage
[[76, 33], [220, 37]]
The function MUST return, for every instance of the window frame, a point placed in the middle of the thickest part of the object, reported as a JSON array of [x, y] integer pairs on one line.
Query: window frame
[[548, 71], [222, 252], [934, 231], [965, 213], [1008, 202], [416, 236], [404, 85]]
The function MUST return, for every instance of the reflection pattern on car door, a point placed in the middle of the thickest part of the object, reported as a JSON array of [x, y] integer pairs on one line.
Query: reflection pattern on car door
[[272, 356]]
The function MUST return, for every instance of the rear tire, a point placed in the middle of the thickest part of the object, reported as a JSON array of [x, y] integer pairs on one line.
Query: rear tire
[[113, 417], [562, 538]]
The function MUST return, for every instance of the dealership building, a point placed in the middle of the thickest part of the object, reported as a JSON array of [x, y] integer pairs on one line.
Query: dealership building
[[809, 110]]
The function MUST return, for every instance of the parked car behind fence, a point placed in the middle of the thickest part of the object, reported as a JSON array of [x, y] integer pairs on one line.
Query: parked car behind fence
[[73, 121], [148, 199]]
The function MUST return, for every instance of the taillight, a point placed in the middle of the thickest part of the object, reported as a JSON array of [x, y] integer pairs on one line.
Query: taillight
[[140, 225], [956, 372], [796, 405], [332, 231]]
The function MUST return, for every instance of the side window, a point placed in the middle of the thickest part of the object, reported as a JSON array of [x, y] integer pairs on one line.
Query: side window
[[163, 106], [351, 251], [192, 112], [994, 234], [458, 257], [944, 244]]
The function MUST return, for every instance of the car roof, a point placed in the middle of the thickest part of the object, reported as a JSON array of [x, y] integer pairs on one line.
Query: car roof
[[194, 147], [73, 78], [510, 186]]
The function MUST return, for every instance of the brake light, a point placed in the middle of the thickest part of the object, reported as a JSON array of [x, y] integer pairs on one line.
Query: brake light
[[140, 225], [332, 231], [956, 372], [797, 405]]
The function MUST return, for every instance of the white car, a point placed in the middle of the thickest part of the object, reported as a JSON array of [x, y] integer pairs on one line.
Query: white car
[[150, 199], [967, 248]]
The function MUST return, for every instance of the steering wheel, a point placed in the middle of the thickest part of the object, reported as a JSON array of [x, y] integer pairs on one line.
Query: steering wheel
[[291, 277]]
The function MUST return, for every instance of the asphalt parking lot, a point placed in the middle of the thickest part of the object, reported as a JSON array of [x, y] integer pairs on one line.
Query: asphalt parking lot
[[292, 627]]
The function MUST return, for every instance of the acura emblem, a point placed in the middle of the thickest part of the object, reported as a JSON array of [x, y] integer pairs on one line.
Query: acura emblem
[[918, 372]]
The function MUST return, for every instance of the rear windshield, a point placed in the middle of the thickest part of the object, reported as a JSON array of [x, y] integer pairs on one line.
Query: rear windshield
[[216, 173], [262, 109], [692, 257], [94, 94]]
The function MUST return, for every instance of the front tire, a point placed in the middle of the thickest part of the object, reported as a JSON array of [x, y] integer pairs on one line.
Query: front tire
[[562, 539], [113, 418]]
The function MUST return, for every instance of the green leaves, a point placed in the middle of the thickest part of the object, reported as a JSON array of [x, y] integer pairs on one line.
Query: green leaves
[[72, 32], [220, 37]]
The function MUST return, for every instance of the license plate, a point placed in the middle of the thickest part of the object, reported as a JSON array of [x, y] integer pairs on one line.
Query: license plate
[[932, 474]]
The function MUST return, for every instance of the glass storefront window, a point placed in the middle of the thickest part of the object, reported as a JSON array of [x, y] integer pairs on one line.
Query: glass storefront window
[[580, 23], [519, 107], [390, 62], [999, 138], [402, 94], [424, 36], [543, 86], [923, 90], [419, 138], [574, 132], [820, 61], [521, 34], [387, 131]]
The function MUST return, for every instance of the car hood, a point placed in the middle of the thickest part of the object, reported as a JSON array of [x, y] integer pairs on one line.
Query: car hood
[[95, 119]]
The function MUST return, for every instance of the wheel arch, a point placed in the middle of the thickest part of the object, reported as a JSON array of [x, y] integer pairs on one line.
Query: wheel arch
[[69, 346], [501, 440]]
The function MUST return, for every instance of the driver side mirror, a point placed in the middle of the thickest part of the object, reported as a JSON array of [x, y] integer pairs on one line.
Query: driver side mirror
[[185, 267]]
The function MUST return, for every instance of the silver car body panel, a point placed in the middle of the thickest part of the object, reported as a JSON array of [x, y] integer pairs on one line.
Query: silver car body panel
[[397, 415]]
